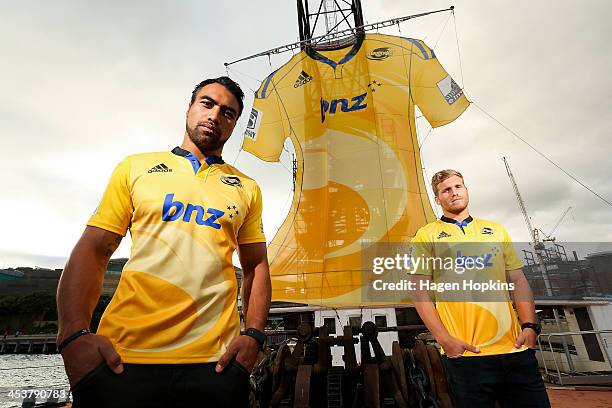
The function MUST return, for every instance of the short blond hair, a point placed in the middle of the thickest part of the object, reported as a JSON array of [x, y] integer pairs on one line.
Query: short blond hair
[[441, 176]]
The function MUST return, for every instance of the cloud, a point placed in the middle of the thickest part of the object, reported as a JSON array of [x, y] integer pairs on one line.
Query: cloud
[[85, 84]]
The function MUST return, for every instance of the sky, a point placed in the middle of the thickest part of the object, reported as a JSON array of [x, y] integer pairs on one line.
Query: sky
[[86, 83]]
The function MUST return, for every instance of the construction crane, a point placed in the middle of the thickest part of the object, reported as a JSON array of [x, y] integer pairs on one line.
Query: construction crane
[[533, 232], [539, 248], [549, 237]]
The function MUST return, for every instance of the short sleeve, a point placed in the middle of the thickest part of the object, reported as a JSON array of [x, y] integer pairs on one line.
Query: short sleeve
[[511, 259], [114, 213], [265, 133], [420, 250], [433, 90], [251, 230]]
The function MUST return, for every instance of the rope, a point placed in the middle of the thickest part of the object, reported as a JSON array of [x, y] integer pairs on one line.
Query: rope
[[435, 207], [237, 154], [246, 75], [243, 75], [571, 176], [458, 50], [425, 139], [408, 73], [442, 32]]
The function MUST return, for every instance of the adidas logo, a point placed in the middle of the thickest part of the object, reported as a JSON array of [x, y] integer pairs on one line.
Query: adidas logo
[[160, 168], [443, 235], [303, 79]]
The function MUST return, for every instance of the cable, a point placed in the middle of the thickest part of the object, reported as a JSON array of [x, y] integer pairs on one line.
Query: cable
[[543, 155], [442, 32], [425, 139], [458, 50], [435, 207], [237, 154], [408, 73], [285, 167], [246, 75]]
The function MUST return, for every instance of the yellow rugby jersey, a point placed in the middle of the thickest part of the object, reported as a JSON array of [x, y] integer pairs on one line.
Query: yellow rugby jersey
[[350, 114], [176, 299], [490, 325]]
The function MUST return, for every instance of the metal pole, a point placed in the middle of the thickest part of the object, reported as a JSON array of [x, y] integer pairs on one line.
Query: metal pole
[[555, 360], [549, 293], [543, 357], [602, 344]]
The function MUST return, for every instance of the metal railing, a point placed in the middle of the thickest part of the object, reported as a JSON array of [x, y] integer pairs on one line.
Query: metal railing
[[547, 338]]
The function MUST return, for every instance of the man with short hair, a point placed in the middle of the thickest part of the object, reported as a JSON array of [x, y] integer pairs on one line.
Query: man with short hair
[[489, 355], [171, 333]]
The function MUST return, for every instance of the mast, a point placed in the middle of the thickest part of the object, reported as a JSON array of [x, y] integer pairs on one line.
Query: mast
[[336, 18], [337, 34]]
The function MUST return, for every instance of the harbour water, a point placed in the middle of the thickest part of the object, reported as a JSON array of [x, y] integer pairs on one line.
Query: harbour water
[[18, 372]]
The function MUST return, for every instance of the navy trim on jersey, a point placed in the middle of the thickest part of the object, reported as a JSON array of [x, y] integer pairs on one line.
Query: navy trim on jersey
[[195, 163], [420, 47], [265, 86], [460, 224], [312, 53], [451, 221]]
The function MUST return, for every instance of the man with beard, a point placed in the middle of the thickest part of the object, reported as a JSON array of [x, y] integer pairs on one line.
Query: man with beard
[[489, 356], [171, 333]]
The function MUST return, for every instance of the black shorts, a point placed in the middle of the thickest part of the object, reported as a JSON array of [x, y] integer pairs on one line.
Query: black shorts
[[163, 385]]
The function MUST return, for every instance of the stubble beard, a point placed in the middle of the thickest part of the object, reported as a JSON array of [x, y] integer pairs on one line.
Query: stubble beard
[[204, 143], [457, 209]]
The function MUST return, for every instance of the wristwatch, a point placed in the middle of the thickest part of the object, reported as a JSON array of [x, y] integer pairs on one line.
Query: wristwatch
[[534, 326], [259, 336]]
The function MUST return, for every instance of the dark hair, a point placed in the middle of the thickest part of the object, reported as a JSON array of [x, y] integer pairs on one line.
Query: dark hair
[[228, 83]]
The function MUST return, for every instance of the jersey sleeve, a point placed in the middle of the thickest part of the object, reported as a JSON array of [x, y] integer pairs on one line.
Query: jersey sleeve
[[251, 230], [265, 133], [114, 213], [511, 259], [433, 90], [420, 250]]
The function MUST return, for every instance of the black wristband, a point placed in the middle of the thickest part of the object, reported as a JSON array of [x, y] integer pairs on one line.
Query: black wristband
[[533, 326], [259, 336], [72, 338]]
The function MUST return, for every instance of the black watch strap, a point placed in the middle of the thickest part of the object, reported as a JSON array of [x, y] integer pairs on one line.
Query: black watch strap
[[259, 336], [72, 338], [534, 326]]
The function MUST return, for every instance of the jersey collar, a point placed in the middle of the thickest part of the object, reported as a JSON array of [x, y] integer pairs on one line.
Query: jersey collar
[[314, 54], [460, 224], [210, 160]]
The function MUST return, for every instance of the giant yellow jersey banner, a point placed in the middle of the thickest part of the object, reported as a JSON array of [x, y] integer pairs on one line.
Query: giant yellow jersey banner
[[349, 113]]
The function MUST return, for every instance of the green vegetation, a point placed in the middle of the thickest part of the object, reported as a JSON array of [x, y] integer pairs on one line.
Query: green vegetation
[[36, 313], [21, 312]]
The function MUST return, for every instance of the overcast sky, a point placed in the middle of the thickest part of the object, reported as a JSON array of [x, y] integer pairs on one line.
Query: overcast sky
[[85, 83]]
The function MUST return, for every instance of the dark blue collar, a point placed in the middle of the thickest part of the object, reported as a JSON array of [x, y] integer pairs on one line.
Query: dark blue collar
[[312, 53], [210, 160], [460, 224]]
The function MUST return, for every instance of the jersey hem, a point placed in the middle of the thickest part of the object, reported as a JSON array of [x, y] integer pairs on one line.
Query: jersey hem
[[169, 360], [485, 354]]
